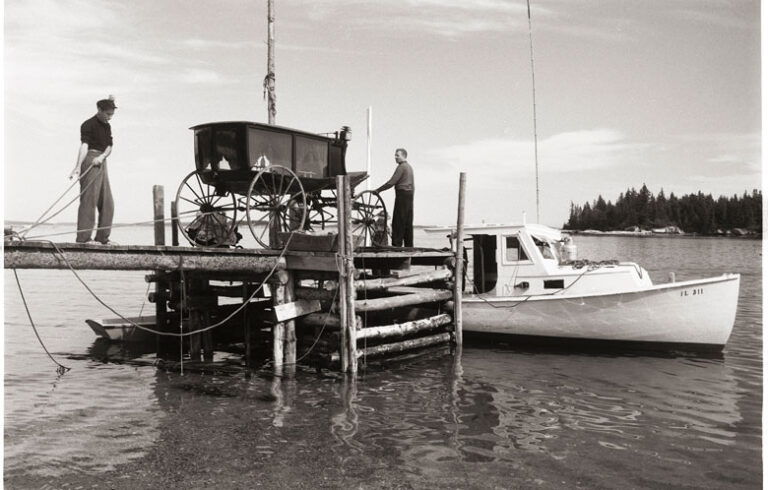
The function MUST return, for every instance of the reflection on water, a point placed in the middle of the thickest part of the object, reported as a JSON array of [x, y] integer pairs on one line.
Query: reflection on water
[[493, 416]]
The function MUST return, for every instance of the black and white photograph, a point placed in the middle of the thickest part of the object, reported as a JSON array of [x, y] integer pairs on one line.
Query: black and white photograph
[[385, 244]]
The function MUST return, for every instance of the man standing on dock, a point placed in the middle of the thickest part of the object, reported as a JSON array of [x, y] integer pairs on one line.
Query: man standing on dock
[[91, 166], [402, 217]]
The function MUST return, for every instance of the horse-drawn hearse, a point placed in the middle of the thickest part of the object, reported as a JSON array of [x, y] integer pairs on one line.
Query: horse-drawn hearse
[[275, 179]]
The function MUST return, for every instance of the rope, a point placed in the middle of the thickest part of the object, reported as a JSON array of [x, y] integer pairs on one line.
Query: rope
[[561, 290], [172, 334], [39, 221], [319, 335], [146, 293], [122, 225], [61, 369]]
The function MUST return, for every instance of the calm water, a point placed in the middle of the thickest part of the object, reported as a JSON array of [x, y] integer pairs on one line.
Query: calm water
[[495, 417]]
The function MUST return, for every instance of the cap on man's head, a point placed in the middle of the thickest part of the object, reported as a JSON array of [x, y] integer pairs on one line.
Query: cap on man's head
[[106, 104]]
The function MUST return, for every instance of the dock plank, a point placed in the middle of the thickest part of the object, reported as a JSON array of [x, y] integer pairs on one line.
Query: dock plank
[[43, 255]]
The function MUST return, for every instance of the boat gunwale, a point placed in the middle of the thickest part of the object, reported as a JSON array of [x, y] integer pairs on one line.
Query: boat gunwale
[[471, 298]]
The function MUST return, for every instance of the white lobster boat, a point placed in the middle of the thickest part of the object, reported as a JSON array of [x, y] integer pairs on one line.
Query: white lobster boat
[[523, 280]]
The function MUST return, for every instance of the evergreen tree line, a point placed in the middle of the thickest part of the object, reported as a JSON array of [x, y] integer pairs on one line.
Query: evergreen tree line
[[692, 213]]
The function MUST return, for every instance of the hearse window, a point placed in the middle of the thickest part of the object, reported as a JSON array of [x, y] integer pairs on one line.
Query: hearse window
[[513, 249], [228, 152], [267, 148], [202, 148], [311, 157]]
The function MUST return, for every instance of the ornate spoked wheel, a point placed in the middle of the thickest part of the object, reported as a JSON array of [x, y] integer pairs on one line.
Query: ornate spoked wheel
[[369, 218], [275, 203], [206, 217]]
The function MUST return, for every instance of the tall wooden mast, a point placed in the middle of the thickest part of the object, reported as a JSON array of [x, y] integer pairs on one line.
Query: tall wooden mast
[[535, 132], [269, 80]]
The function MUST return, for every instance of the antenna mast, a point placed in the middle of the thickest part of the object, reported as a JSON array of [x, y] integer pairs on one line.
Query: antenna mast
[[269, 80], [535, 135]]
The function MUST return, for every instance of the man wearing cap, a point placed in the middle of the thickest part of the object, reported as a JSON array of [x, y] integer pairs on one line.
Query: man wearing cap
[[402, 217], [95, 193]]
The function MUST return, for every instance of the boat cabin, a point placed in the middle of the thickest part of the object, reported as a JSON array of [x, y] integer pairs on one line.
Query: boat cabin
[[248, 146], [533, 260]]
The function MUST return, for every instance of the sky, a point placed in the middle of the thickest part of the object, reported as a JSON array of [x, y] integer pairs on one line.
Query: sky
[[665, 93]]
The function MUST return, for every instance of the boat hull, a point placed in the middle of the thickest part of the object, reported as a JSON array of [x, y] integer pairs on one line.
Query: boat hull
[[119, 330], [695, 313]]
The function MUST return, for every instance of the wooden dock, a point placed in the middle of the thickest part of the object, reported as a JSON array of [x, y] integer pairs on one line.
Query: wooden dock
[[322, 307]]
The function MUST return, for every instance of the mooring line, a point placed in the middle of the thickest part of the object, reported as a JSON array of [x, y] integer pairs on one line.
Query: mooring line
[[61, 369], [173, 334], [40, 221]]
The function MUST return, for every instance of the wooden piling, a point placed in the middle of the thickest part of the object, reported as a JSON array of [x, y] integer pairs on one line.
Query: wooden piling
[[343, 221], [289, 347], [174, 225], [424, 296], [246, 327], [458, 281], [207, 339], [161, 298], [379, 284], [402, 346], [277, 288], [349, 272], [403, 329], [158, 199]]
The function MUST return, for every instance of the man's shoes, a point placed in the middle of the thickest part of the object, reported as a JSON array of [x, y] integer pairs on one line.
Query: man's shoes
[[92, 242], [110, 243]]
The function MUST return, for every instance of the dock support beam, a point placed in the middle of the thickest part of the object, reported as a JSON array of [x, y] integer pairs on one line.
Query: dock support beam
[[458, 280]]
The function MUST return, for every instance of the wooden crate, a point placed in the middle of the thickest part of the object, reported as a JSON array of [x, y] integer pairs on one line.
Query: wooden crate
[[314, 242]]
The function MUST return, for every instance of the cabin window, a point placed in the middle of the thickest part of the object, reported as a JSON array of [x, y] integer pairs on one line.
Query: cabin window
[[267, 148], [513, 249], [547, 249], [554, 284], [485, 269], [311, 157]]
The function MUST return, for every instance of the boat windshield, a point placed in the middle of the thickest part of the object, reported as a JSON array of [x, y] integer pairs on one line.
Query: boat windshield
[[547, 248]]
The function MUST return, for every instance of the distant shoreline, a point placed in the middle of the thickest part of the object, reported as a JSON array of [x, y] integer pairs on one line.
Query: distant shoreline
[[640, 234], [649, 234]]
